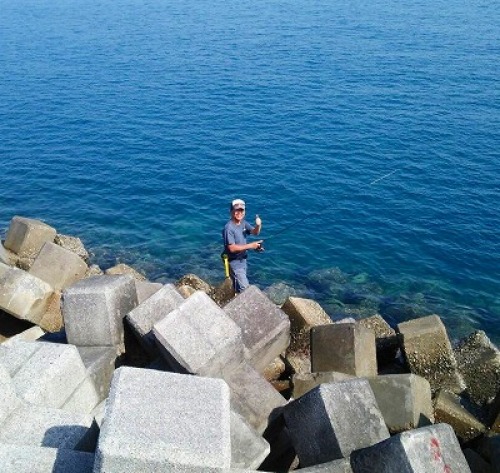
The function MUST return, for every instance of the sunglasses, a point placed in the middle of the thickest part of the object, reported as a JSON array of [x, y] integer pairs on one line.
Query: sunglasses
[[239, 210]]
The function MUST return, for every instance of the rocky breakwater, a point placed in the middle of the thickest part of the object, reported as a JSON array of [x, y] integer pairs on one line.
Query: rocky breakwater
[[107, 372]]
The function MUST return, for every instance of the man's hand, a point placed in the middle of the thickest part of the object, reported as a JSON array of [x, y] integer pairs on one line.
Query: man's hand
[[258, 221], [255, 245]]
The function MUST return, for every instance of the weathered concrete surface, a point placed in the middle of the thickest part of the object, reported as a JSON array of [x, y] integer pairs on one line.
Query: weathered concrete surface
[[248, 448], [195, 282], [303, 314], [253, 397], [73, 244], [429, 354], [143, 317], [404, 400], [46, 427], [298, 362], [333, 420], [347, 348], [57, 266], [456, 411], [44, 374], [264, 326], [4, 256], [386, 339], [22, 295], [199, 337], [223, 293], [304, 382], [424, 450], [30, 459], [94, 309], [52, 319], [9, 400], [154, 418], [479, 362], [26, 236], [274, 370]]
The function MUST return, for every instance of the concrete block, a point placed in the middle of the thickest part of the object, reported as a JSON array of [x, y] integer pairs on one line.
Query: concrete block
[[49, 376], [14, 355], [458, 412], [146, 289], [348, 348], [31, 459], [253, 397], [154, 418], [404, 400], [336, 466], [195, 282], [274, 370], [223, 293], [94, 309], [152, 310], [186, 291], [478, 361], [26, 236], [303, 314], [46, 427], [298, 362], [248, 447], [83, 399], [58, 267], [22, 295], [304, 382], [429, 354], [4, 255], [424, 450], [98, 412], [333, 420], [198, 337], [264, 326]]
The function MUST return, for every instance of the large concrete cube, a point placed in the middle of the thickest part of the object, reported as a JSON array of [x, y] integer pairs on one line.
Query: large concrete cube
[[151, 311], [43, 373], [404, 400], [265, 327], [157, 421], [94, 309], [428, 449], [303, 314], [458, 412], [198, 337], [23, 295], [58, 267], [386, 339], [428, 353], [31, 459], [336, 466], [333, 420], [344, 347], [26, 236], [479, 362], [9, 400], [305, 382]]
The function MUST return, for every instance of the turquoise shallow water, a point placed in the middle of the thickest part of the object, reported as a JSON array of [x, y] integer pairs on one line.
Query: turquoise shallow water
[[132, 124]]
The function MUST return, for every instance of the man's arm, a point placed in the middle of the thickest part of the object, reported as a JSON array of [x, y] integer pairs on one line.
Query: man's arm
[[234, 248]]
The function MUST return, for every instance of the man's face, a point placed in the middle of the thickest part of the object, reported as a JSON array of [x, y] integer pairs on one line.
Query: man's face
[[238, 214]]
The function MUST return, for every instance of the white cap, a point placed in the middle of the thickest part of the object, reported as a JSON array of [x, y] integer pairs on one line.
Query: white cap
[[237, 204]]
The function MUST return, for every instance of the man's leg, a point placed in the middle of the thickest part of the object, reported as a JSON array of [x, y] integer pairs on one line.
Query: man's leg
[[239, 275]]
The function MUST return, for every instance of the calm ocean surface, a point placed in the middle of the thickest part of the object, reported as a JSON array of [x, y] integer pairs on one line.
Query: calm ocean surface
[[133, 123]]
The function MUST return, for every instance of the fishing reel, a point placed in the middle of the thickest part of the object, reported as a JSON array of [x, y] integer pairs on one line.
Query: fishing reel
[[260, 248]]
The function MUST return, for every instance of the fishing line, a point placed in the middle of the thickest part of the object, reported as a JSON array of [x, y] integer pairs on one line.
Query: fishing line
[[314, 214]]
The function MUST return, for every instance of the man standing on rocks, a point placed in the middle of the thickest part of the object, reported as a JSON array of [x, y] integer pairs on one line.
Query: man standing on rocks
[[235, 243]]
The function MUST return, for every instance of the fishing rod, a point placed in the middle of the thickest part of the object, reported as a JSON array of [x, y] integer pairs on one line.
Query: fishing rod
[[315, 214]]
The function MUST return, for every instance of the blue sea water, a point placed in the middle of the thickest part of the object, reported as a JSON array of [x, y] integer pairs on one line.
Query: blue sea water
[[133, 123]]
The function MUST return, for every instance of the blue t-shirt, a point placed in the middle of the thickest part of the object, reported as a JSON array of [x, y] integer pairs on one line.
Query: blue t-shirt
[[236, 235]]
